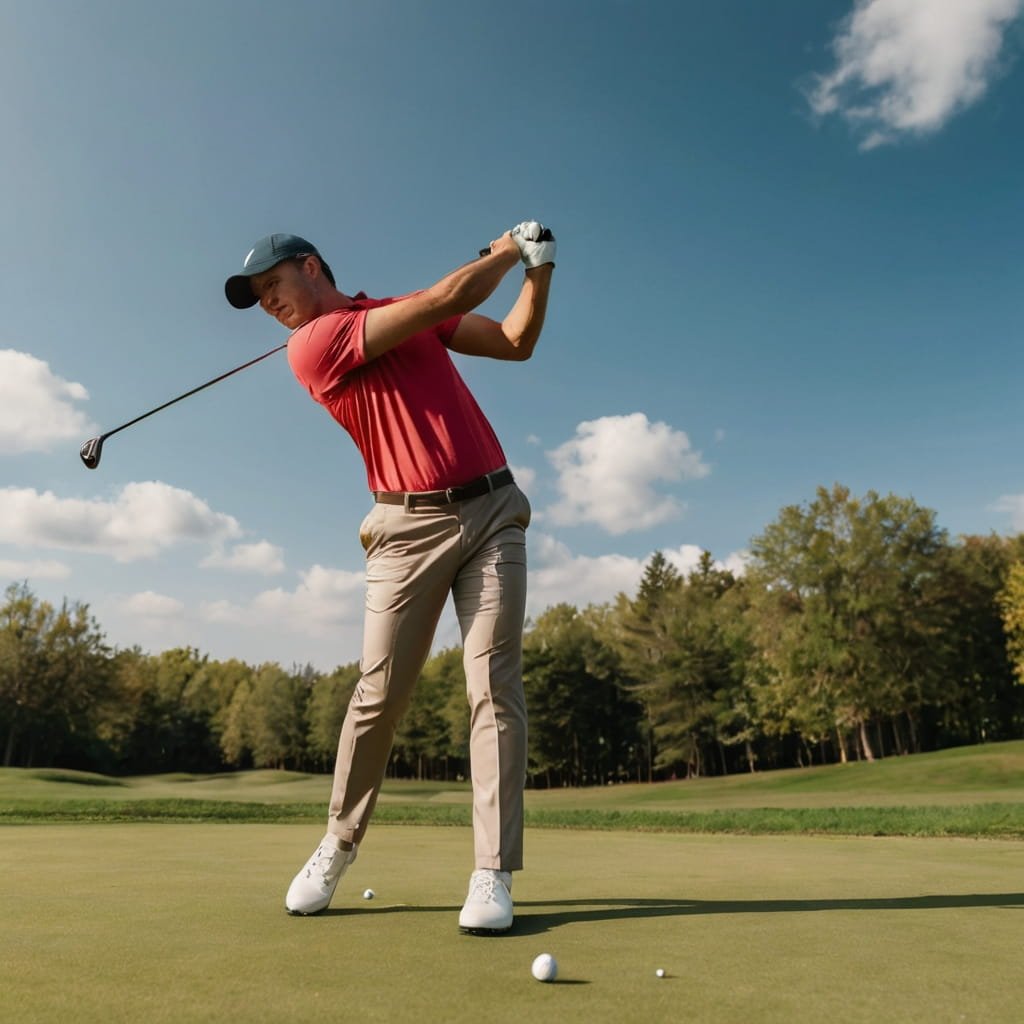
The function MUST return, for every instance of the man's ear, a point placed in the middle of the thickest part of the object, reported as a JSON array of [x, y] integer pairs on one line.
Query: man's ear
[[311, 266]]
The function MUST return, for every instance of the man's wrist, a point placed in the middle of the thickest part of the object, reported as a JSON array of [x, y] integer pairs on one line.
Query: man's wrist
[[507, 257], [544, 270]]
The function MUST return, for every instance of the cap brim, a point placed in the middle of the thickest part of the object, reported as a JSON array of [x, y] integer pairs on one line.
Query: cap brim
[[238, 290]]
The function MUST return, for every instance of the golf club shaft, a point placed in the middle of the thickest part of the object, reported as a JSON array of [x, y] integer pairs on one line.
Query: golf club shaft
[[201, 387], [93, 448]]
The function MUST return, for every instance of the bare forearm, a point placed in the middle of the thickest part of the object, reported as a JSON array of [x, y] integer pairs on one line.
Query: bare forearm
[[525, 319], [457, 293], [470, 285]]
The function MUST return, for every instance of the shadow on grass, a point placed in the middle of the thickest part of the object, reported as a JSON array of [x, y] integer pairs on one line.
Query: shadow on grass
[[538, 917]]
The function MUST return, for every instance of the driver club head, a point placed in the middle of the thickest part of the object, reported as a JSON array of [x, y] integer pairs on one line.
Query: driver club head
[[91, 451]]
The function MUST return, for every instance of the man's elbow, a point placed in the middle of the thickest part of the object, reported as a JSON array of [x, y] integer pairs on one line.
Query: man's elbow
[[521, 349]]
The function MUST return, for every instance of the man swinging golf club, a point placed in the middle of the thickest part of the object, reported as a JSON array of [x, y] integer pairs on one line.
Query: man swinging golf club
[[447, 518]]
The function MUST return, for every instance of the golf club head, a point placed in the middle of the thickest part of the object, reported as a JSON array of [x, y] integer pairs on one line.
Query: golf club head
[[91, 451]]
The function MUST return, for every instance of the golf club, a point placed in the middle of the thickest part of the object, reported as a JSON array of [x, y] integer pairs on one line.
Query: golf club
[[93, 448], [544, 236]]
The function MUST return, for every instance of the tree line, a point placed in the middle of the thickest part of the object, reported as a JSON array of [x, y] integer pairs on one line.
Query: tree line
[[858, 630]]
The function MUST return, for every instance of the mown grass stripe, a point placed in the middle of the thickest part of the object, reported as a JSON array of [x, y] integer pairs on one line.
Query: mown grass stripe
[[993, 820]]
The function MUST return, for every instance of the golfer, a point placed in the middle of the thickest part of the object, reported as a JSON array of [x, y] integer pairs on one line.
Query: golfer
[[447, 518]]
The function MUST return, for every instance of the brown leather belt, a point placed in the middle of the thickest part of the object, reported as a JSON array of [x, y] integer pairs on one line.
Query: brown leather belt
[[474, 489]]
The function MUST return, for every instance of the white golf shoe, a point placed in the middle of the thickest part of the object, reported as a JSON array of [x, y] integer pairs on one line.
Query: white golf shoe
[[488, 907], [312, 888]]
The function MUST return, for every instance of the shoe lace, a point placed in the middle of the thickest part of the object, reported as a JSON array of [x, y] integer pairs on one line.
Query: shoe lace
[[484, 885], [322, 862]]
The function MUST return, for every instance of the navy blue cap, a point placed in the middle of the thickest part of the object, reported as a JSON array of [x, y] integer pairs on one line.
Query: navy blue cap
[[266, 253]]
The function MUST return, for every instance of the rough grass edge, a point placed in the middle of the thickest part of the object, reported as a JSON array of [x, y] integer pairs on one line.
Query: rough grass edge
[[988, 821]]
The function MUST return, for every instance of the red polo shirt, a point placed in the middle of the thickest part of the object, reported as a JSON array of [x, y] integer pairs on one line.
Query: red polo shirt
[[409, 411]]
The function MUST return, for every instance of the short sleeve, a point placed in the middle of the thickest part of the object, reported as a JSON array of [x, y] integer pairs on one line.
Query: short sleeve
[[446, 329], [323, 351]]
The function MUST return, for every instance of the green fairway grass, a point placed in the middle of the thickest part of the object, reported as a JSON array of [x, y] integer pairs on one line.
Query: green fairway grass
[[185, 923], [969, 791]]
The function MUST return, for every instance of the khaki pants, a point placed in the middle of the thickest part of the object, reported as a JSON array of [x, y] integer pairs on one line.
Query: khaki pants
[[475, 550]]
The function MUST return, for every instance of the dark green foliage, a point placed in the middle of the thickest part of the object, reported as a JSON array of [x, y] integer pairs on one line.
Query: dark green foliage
[[583, 719], [432, 740], [859, 630], [54, 671]]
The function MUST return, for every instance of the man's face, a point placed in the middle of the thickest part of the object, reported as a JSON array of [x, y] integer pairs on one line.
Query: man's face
[[287, 292]]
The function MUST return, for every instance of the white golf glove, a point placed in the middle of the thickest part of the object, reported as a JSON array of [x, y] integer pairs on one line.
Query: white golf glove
[[536, 243]]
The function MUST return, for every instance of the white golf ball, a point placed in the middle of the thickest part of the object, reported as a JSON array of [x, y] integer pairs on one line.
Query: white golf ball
[[545, 968], [369, 894], [660, 972]]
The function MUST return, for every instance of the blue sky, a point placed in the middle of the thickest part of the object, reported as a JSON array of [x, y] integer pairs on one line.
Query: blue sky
[[789, 255]]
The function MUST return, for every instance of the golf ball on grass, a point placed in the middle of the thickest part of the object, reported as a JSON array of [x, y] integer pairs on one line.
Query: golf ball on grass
[[545, 968], [369, 894], [660, 972]]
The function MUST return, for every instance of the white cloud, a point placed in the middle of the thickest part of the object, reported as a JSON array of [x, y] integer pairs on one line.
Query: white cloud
[[261, 557], [1013, 505], [36, 406], [150, 605], [321, 619], [330, 602], [323, 600], [525, 477], [736, 563], [37, 570], [142, 520], [905, 67], [558, 576], [685, 558], [607, 472]]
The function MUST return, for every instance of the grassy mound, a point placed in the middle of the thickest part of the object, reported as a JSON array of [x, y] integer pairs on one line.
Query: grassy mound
[[970, 791]]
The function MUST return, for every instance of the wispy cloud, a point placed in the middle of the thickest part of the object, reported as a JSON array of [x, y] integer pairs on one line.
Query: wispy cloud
[[142, 520], [905, 67], [323, 600], [34, 570], [525, 477], [608, 473], [36, 406], [1013, 505], [150, 605], [328, 603], [261, 557], [557, 575]]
